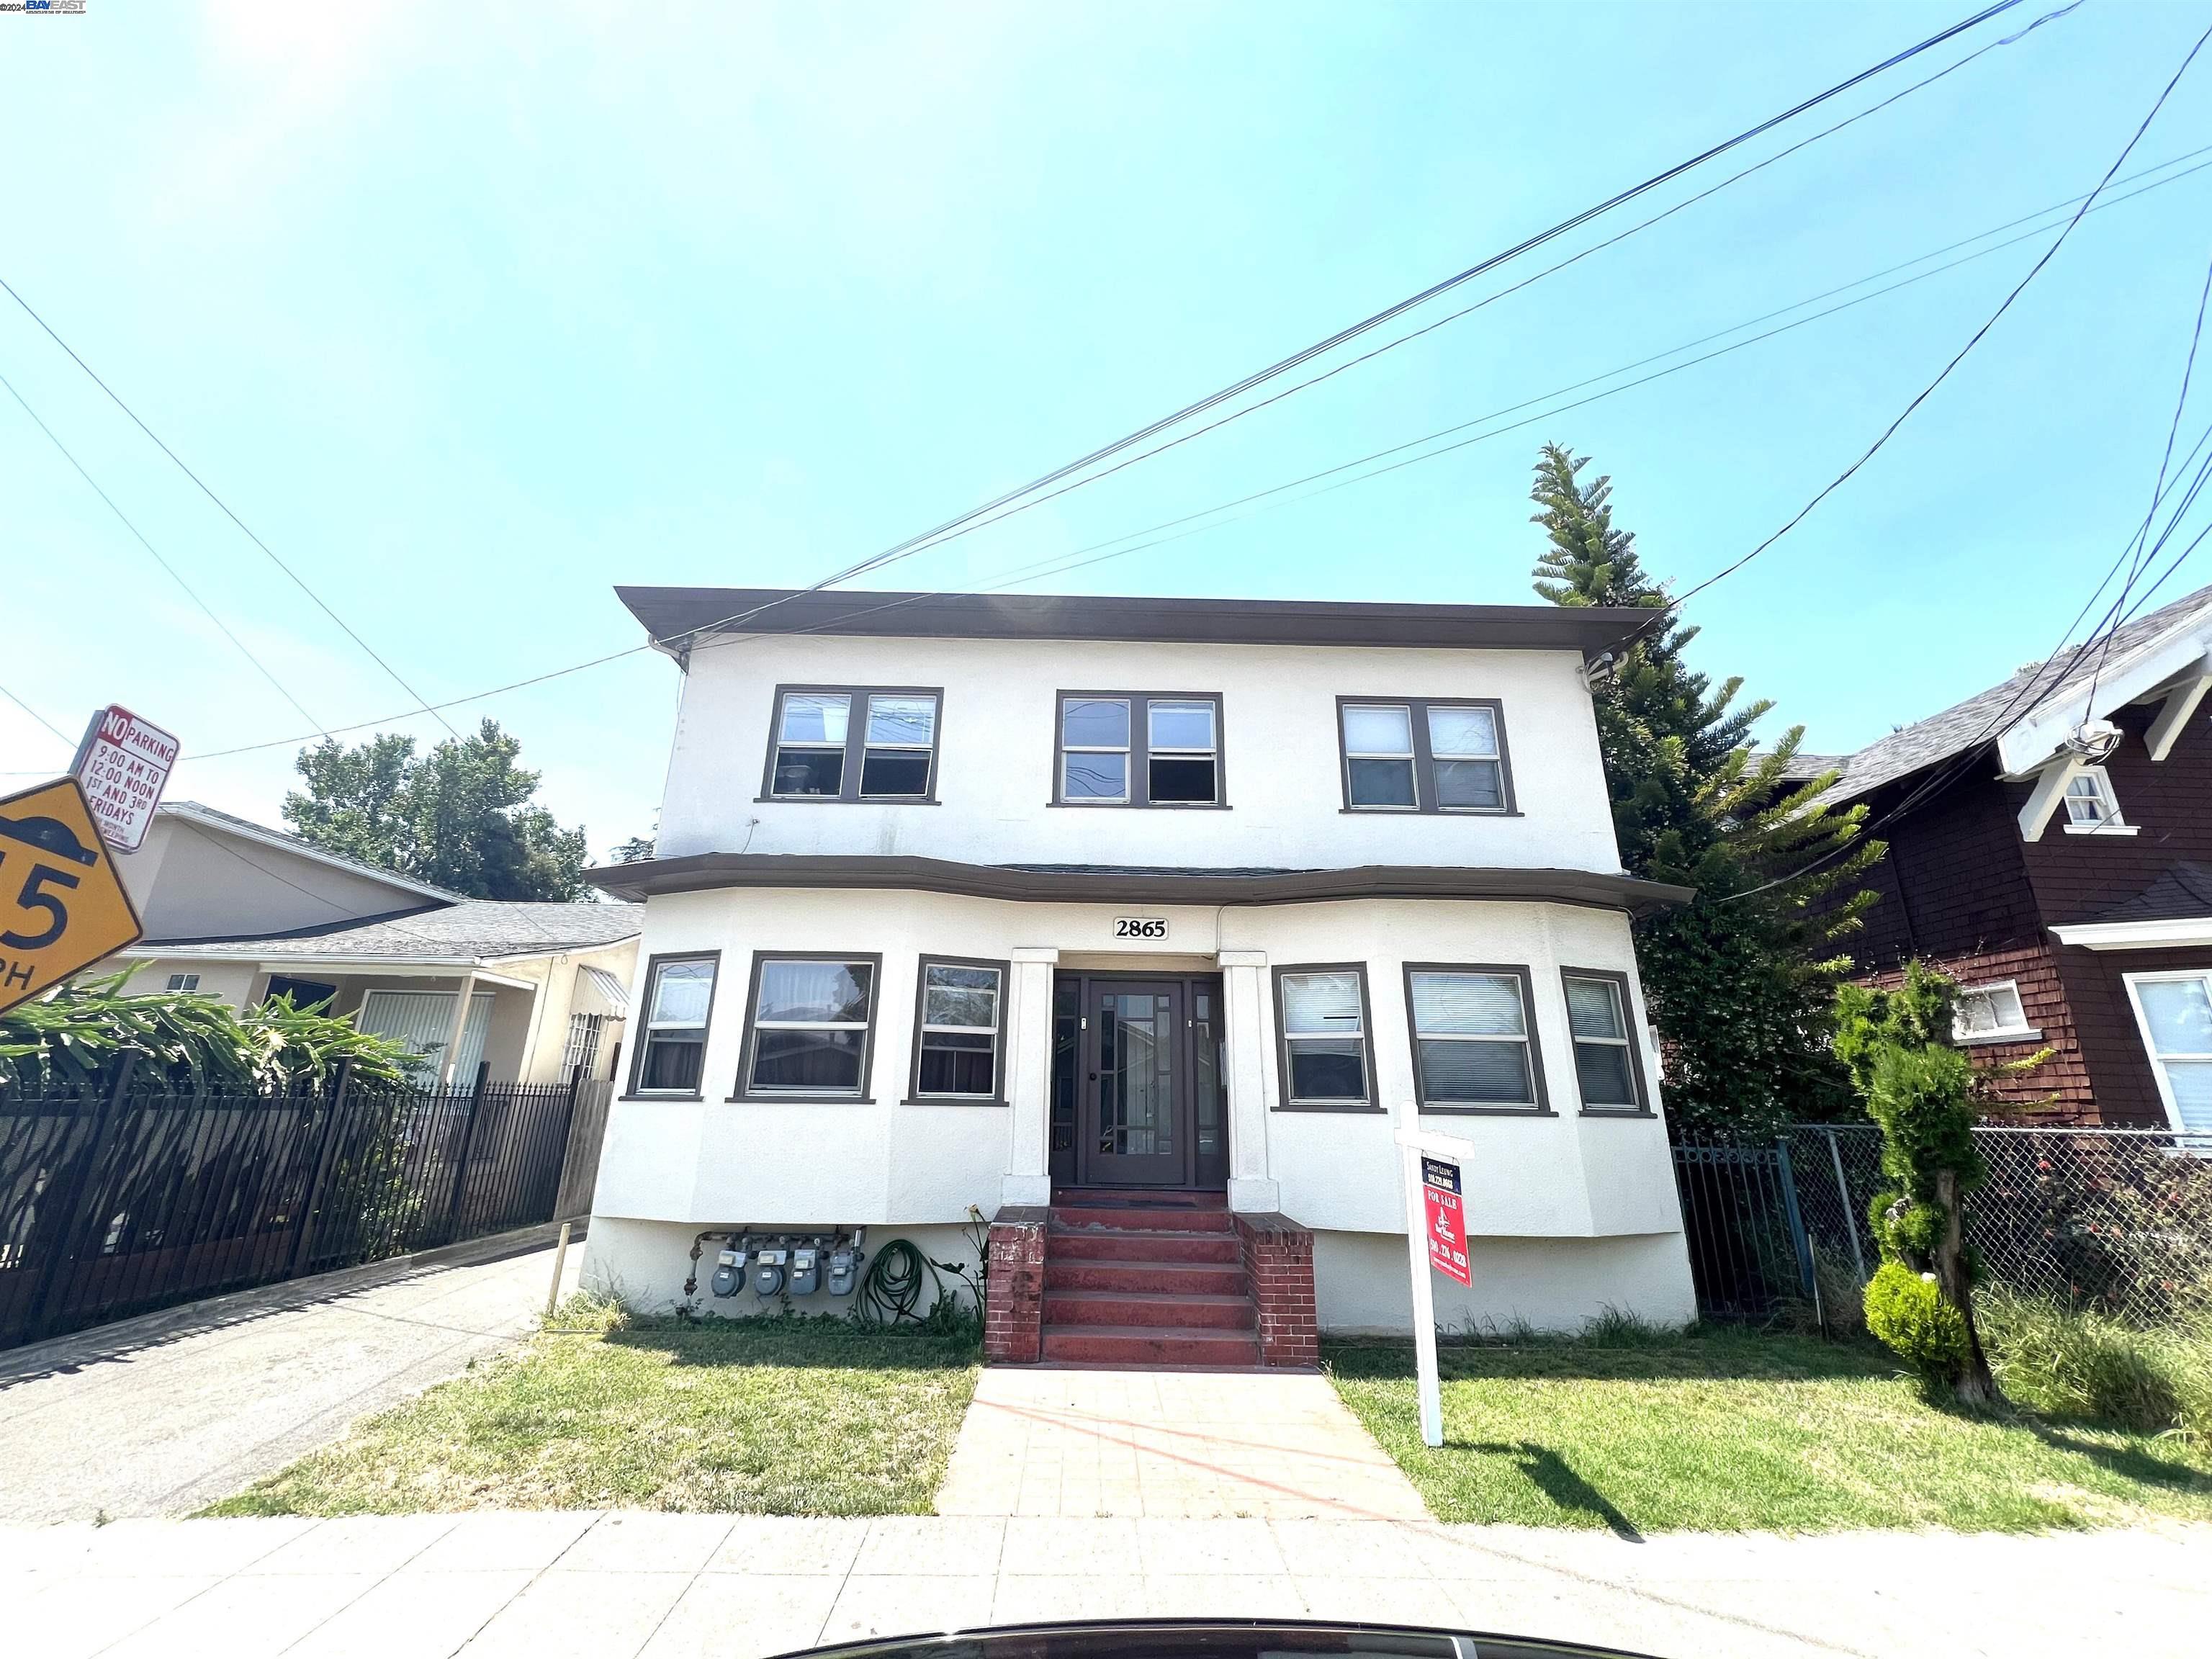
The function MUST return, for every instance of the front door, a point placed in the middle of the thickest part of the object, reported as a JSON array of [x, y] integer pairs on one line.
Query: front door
[[1135, 1111]]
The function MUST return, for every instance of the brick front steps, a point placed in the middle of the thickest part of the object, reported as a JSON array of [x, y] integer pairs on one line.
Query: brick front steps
[[1154, 1280]]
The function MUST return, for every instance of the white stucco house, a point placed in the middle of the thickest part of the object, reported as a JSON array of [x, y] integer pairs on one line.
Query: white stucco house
[[524, 993], [1131, 923]]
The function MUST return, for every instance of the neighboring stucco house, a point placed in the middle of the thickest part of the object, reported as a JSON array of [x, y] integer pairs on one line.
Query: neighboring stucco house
[[2050, 848], [240, 911], [950, 910]]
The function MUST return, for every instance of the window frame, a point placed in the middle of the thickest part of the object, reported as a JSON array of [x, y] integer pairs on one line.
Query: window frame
[[1541, 1107], [639, 1049], [1140, 751], [856, 746], [2198, 1139], [1284, 1102], [1425, 804], [183, 982], [1631, 1020], [2022, 1032], [743, 1092], [2113, 821], [998, 1096]]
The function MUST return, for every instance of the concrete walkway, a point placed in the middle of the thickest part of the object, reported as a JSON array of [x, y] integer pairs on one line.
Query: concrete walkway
[[158, 1416], [1189, 1444], [704, 1587]]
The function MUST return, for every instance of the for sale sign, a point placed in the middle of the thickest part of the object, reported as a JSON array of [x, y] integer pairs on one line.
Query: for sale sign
[[1446, 1219], [123, 764]]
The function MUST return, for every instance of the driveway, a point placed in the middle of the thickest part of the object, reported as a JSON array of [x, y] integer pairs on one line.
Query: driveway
[[160, 1415], [554, 1584]]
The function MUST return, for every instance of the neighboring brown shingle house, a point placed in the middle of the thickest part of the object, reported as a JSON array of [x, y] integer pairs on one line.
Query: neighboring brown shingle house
[[2069, 892]]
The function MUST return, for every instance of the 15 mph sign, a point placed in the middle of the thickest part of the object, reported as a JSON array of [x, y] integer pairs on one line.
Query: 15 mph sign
[[62, 905], [123, 764]]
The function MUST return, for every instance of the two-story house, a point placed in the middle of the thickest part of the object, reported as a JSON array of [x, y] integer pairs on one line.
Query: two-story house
[[1134, 924], [2050, 848]]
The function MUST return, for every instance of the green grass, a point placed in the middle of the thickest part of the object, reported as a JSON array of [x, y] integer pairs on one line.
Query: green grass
[[771, 1416], [1730, 1430]]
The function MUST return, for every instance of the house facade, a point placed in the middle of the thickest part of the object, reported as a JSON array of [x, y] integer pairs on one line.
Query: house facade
[[516, 992], [1158, 916], [2050, 848]]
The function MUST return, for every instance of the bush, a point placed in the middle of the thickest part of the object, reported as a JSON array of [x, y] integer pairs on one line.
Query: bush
[[2067, 1362], [1908, 1315]]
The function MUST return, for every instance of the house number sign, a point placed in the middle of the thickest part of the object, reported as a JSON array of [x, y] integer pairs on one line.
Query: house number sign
[[1140, 928]]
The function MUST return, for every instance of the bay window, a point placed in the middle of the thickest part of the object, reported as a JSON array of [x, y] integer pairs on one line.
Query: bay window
[[810, 1027]]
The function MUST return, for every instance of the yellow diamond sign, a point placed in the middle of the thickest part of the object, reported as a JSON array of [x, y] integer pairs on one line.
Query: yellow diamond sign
[[62, 904]]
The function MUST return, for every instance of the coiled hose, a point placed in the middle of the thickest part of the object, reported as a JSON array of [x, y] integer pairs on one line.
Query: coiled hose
[[890, 1290]]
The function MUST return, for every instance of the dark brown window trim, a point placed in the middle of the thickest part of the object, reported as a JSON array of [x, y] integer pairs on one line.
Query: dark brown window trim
[[742, 1090], [1634, 1023], [1424, 764], [998, 1095], [856, 743], [657, 1099], [1542, 1105], [1140, 751], [644, 1040], [1283, 1101]]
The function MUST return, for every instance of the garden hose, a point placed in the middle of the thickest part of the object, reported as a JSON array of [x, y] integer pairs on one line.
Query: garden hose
[[890, 1290]]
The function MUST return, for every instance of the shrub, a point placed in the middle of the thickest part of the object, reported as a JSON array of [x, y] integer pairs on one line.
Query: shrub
[[1908, 1315]]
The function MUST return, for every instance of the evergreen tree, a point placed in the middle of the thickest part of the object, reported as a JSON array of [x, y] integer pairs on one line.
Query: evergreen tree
[[1741, 980], [461, 817]]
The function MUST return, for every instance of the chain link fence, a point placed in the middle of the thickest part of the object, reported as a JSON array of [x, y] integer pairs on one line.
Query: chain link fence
[[2119, 1220]]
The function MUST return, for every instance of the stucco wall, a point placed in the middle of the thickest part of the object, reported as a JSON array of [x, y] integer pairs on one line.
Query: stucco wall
[[189, 882], [995, 769], [644, 1265], [1362, 1285]]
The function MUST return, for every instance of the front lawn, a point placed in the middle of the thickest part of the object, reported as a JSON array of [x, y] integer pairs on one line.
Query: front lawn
[[769, 1415], [1732, 1431]]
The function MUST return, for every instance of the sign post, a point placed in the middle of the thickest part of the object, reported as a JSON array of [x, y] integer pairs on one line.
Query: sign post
[[123, 764], [62, 904], [1436, 1240]]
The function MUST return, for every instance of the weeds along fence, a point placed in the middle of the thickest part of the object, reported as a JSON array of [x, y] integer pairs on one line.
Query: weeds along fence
[[134, 1197], [2119, 1220]]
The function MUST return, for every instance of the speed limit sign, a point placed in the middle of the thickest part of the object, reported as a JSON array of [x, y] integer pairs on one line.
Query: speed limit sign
[[62, 904]]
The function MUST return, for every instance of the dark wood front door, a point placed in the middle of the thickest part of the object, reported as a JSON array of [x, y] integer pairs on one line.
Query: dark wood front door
[[1138, 1061]]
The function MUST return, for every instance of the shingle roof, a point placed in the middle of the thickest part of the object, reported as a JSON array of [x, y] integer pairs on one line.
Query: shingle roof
[[2183, 892], [481, 930], [1983, 717]]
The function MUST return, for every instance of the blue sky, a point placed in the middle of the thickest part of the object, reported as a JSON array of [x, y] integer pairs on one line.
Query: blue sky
[[473, 312]]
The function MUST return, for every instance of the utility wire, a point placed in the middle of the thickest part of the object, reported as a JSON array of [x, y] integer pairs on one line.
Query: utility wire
[[266, 673], [1080, 558], [297, 580], [36, 716]]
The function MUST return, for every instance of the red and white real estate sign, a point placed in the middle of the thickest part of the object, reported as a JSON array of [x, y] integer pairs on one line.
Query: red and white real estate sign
[[124, 765], [1446, 1219]]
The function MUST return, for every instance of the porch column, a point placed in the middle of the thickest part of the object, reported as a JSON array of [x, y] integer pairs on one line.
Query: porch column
[[453, 1032], [1028, 1076], [1252, 1185]]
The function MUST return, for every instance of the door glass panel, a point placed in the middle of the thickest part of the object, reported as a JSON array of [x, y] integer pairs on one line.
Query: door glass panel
[[1136, 1083], [1205, 1069], [1066, 1033]]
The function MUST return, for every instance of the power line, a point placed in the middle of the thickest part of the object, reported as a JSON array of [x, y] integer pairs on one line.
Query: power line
[[36, 716], [297, 580], [1076, 559], [265, 672]]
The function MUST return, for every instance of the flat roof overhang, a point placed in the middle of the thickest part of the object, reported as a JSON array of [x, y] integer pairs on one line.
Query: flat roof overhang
[[676, 617], [1101, 884]]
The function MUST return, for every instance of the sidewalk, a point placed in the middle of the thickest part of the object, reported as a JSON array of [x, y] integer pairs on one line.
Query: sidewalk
[[158, 1416], [551, 1585]]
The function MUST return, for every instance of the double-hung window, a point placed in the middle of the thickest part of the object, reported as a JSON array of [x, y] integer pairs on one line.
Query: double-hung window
[[1991, 1014], [1474, 1044], [959, 1030], [1608, 1070], [1138, 749], [2174, 1012], [811, 1023], [2090, 803], [671, 1055], [852, 743], [1326, 1056], [1423, 755]]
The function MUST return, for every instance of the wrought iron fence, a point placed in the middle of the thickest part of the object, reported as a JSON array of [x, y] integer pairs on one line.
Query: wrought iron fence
[[137, 1197], [2119, 1220]]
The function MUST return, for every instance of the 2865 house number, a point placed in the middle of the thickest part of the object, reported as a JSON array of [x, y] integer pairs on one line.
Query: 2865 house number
[[1140, 928]]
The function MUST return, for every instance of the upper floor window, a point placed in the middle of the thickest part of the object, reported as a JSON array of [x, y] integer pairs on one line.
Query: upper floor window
[[858, 742], [2089, 801], [679, 996], [1424, 755], [1990, 1013], [1138, 749]]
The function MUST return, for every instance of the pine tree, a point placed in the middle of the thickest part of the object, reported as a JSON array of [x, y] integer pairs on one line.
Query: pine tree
[[1741, 980]]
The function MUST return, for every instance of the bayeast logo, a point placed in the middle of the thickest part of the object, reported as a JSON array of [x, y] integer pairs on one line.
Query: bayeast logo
[[42, 5]]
